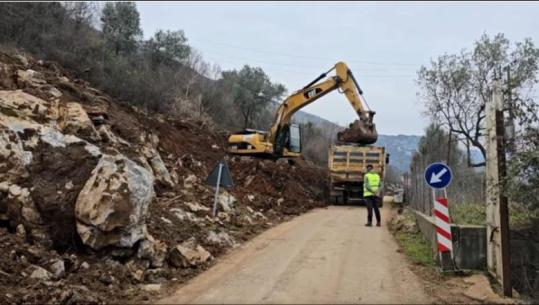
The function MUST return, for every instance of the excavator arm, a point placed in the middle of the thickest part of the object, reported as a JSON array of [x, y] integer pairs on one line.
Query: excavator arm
[[283, 139], [360, 132]]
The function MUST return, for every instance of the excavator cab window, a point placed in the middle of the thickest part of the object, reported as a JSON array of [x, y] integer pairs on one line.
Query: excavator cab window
[[295, 139]]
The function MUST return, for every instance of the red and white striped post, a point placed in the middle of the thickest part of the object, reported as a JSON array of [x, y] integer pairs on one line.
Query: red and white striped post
[[443, 226], [438, 176]]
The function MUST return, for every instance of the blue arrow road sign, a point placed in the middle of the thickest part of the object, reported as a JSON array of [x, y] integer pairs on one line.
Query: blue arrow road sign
[[438, 175]]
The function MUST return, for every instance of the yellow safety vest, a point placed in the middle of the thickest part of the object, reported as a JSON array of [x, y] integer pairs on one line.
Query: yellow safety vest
[[373, 181]]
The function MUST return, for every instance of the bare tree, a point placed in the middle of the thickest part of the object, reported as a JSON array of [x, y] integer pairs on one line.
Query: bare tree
[[455, 88]]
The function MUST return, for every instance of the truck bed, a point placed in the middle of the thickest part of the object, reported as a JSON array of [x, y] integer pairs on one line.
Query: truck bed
[[347, 164]]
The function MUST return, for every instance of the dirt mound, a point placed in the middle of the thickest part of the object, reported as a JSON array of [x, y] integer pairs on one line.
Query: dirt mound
[[96, 195]]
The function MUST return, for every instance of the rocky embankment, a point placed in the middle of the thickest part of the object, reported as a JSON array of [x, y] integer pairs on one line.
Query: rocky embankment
[[102, 202]]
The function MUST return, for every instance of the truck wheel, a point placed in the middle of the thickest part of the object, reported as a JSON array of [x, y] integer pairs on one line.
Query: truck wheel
[[345, 198], [336, 200]]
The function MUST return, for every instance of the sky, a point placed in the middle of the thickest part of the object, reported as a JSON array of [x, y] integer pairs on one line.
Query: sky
[[383, 43]]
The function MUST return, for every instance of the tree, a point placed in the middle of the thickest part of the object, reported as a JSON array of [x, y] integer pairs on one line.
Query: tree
[[168, 46], [456, 87], [435, 146], [82, 13], [252, 91], [121, 26], [523, 171]]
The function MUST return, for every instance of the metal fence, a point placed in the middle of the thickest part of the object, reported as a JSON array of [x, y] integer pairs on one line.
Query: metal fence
[[464, 189], [418, 194]]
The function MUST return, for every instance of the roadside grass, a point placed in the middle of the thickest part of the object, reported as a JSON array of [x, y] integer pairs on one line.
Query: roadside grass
[[413, 244], [475, 214]]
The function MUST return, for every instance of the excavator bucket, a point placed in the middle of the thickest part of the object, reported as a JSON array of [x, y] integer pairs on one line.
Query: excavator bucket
[[361, 131]]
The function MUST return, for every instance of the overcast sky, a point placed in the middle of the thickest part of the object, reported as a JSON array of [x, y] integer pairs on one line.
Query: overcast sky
[[383, 43]]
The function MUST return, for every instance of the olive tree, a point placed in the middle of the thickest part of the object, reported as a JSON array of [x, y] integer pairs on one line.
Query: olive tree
[[252, 92], [121, 26], [168, 46]]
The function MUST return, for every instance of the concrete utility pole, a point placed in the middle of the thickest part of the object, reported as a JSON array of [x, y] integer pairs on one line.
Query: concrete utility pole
[[498, 248]]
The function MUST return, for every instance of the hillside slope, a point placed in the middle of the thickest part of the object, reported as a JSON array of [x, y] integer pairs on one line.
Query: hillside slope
[[103, 203]]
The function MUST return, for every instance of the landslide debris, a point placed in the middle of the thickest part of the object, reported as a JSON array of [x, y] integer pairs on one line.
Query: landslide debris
[[101, 202]]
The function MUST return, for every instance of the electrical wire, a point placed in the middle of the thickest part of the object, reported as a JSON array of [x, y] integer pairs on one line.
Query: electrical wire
[[301, 55]]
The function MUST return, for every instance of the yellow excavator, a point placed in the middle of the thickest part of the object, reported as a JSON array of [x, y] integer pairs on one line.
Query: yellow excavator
[[284, 138]]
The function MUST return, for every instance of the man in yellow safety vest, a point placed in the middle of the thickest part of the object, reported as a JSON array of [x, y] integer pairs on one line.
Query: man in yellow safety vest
[[372, 186]]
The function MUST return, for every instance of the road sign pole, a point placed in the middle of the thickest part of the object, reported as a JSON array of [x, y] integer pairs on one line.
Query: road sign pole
[[438, 177], [216, 199]]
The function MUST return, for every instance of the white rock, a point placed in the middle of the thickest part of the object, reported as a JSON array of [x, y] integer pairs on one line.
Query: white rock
[[112, 206], [196, 207], [21, 231], [85, 265], [160, 171], [31, 77], [153, 250], [188, 254], [69, 185], [57, 268], [221, 238], [226, 201], [223, 216], [39, 273], [189, 181], [251, 198], [260, 215], [55, 92], [184, 215], [151, 287], [166, 220], [280, 201], [15, 190], [249, 180]]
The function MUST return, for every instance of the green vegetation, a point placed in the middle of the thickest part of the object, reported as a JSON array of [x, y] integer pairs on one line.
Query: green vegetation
[[475, 214], [468, 214], [414, 245], [416, 248]]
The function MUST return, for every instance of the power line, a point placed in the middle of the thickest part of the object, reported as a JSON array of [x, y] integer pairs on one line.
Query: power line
[[302, 56], [286, 68]]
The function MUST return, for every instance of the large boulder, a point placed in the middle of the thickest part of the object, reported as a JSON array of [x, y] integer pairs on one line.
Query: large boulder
[[42, 168], [111, 208]]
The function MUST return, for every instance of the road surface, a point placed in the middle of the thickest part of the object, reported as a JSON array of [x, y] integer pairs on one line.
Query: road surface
[[324, 256]]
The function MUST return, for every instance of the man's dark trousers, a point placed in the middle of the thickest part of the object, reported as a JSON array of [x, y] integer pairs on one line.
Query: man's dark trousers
[[372, 204]]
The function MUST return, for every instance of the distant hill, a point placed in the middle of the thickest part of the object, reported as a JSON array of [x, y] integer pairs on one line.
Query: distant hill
[[400, 148]]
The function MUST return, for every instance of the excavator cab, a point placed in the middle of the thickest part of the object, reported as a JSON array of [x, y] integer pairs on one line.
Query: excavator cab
[[289, 138]]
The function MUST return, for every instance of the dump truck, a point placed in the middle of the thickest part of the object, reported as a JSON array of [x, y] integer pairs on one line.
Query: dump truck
[[347, 165]]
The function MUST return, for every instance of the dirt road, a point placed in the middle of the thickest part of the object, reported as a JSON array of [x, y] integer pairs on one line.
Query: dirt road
[[324, 256]]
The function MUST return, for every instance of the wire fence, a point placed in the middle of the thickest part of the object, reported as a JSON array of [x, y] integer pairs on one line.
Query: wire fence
[[466, 188]]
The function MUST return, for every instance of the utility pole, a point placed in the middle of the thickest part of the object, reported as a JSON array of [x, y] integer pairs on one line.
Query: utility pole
[[498, 247], [510, 129]]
